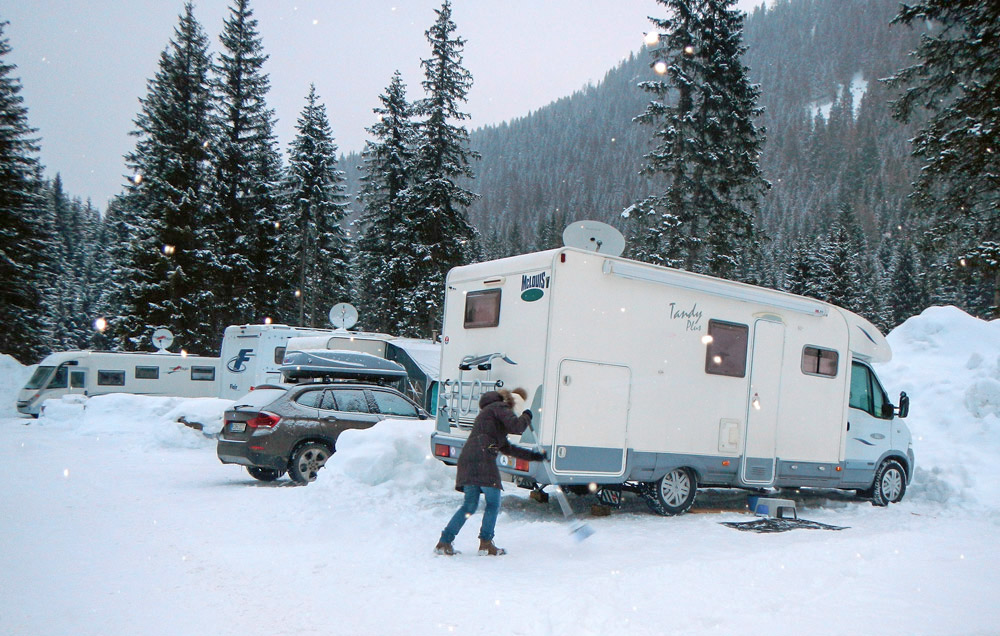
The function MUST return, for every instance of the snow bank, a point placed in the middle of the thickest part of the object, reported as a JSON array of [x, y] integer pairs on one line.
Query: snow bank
[[948, 362], [13, 376], [390, 459], [169, 421]]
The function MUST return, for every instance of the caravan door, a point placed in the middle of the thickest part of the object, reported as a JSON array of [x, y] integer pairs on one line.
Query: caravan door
[[763, 402], [591, 427]]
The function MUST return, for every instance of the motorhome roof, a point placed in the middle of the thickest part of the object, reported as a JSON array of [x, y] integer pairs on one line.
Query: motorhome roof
[[866, 342]]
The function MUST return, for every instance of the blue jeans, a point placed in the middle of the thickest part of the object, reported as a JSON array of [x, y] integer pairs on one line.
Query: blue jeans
[[492, 496]]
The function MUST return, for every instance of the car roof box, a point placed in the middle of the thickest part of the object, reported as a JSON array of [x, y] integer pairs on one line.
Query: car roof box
[[338, 365]]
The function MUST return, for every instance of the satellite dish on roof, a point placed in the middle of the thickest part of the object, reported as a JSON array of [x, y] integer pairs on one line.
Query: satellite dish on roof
[[594, 236], [162, 339], [343, 315]]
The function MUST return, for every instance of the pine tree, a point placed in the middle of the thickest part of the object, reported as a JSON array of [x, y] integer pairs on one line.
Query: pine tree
[[707, 146], [955, 79], [386, 254], [249, 282], [442, 229], [316, 208], [168, 200], [23, 229], [65, 301]]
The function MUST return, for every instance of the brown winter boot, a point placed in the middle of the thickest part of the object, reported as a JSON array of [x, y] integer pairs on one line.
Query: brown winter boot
[[486, 548], [444, 548]]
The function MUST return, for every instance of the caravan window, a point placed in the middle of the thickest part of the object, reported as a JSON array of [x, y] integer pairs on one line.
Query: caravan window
[[726, 351], [816, 361], [203, 373], [78, 379], [482, 309], [147, 373], [279, 355], [110, 378]]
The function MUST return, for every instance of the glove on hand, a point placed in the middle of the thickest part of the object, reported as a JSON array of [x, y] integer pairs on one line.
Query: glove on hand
[[540, 456]]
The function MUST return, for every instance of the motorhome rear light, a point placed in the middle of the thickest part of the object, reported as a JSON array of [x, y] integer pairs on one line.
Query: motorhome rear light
[[263, 420], [725, 463], [521, 464], [442, 450]]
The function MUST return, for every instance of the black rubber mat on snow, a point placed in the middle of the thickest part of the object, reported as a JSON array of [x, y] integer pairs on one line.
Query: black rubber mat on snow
[[770, 524]]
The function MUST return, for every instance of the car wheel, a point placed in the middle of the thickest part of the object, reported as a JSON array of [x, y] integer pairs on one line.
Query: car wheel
[[672, 494], [264, 474], [307, 460], [890, 483]]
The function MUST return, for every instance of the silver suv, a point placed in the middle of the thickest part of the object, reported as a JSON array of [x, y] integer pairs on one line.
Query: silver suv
[[273, 429]]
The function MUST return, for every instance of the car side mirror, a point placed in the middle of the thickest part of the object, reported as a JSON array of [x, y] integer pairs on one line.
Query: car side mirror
[[904, 405]]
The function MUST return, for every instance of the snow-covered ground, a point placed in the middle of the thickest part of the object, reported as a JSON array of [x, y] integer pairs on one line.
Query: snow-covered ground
[[115, 519]]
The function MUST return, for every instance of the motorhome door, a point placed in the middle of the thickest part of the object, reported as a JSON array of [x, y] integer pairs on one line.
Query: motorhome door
[[764, 401], [591, 418]]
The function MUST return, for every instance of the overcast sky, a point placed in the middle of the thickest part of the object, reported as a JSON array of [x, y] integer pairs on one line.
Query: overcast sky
[[84, 64]]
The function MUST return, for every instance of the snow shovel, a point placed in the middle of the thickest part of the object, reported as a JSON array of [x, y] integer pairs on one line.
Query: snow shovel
[[578, 529]]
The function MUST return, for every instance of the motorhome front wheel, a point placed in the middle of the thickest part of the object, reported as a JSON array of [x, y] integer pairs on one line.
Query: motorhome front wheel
[[890, 483]]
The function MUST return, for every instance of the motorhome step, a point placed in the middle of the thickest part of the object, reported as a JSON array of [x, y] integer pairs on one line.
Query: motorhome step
[[772, 507]]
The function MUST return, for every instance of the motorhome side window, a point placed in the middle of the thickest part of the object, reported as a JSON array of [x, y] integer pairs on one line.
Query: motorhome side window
[[110, 378], [726, 352], [203, 373], [59, 379], [279, 355], [816, 361], [866, 393], [147, 373], [482, 309]]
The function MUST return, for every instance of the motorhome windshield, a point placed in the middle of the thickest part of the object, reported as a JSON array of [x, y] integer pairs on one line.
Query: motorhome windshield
[[39, 378]]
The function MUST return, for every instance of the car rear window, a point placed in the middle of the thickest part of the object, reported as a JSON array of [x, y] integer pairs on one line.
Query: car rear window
[[259, 398], [310, 398]]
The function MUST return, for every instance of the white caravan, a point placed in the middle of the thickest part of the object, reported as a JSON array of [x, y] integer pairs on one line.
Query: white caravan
[[252, 355], [661, 381], [93, 373]]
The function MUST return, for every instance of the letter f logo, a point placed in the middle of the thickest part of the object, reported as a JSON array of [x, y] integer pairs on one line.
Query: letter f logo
[[236, 364]]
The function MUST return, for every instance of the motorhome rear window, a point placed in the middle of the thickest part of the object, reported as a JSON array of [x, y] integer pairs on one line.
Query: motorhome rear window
[[816, 361], [203, 373], [726, 351], [482, 309], [110, 378], [147, 373]]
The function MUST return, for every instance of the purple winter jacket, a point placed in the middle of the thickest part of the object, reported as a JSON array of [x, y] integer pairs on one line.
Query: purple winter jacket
[[477, 463]]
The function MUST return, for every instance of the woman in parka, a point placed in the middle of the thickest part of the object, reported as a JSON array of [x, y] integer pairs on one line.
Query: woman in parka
[[477, 466]]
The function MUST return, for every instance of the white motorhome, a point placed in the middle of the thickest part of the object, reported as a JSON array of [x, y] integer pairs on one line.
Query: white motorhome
[[251, 355], [661, 381], [100, 372]]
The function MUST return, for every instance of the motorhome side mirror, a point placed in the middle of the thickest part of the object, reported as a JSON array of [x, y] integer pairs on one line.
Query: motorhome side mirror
[[904, 404]]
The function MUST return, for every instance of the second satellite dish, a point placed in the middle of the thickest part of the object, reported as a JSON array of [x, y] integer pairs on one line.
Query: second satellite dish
[[343, 315], [595, 237]]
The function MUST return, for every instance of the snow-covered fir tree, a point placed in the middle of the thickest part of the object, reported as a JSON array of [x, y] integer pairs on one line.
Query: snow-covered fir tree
[[707, 146], [386, 254], [316, 207], [167, 202], [68, 299], [24, 233], [955, 79], [249, 283], [442, 231]]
